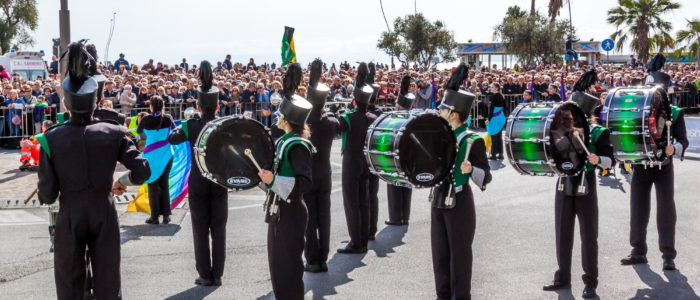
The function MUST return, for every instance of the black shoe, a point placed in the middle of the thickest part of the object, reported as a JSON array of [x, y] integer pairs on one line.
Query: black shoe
[[633, 260], [669, 265], [589, 292], [500, 157], [557, 285], [492, 157], [216, 281], [371, 237], [152, 221], [392, 223], [352, 250], [202, 281], [166, 219], [313, 268], [324, 267]]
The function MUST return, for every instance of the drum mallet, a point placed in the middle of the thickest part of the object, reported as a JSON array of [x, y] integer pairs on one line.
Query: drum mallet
[[668, 132], [582, 188], [466, 157], [250, 155]]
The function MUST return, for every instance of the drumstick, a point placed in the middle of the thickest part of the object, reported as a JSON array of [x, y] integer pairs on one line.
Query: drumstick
[[250, 155], [668, 132], [469, 148], [576, 134], [32, 195]]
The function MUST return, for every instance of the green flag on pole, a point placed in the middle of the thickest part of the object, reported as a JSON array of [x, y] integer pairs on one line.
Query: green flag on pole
[[289, 55]]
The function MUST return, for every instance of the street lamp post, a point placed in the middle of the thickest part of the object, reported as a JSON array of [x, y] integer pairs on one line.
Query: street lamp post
[[64, 31]]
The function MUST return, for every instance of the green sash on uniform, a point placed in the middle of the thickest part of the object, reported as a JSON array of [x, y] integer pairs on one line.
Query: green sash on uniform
[[344, 133], [596, 132], [184, 129], [44, 143]]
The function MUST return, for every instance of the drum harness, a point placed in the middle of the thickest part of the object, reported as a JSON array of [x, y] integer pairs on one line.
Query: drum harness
[[439, 193], [271, 205]]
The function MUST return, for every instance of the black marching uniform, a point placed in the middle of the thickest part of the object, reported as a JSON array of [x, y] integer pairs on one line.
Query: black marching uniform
[[355, 179], [661, 177], [109, 114], [373, 187], [452, 213], [640, 196], [318, 198], [285, 212], [399, 197], [78, 160], [208, 201]]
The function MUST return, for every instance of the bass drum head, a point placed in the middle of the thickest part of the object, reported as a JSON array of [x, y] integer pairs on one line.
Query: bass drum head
[[225, 152], [428, 149], [563, 163], [659, 113]]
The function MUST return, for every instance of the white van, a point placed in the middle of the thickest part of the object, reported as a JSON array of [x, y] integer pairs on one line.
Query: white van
[[28, 64]]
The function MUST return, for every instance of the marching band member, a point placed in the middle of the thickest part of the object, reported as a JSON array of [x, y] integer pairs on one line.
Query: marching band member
[[78, 159], [661, 178], [373, 187], [399, 197], [353, 127], [452, 216], [572, 201], [318, 199], [208, 201], [286, 214]]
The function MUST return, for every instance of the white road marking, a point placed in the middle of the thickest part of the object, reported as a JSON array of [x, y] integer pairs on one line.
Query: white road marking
[[245, 206], [16, 217], [336, 164]]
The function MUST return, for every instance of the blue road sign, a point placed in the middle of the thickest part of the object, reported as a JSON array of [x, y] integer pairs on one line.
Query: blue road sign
[[607, 44]]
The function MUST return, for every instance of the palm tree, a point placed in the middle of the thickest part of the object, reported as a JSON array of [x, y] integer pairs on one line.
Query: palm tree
[[532, 7], [690, 35], [635, 19], [554, 7]]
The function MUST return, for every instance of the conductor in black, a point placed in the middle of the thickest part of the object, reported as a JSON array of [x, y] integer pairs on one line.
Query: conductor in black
[[208, 201], [318, 199], [670, 143], [353, 128], [78, 160]]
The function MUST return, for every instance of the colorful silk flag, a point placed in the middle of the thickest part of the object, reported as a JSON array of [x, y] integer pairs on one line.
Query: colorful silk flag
[[177, 179], [289, 55]]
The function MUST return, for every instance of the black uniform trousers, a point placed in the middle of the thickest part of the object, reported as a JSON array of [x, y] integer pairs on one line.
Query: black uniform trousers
[[566, 210], [285, 244], [640, 196], [87, 219], [159, 193], [373, 189], [209, 211], [451, 237], [355, 180], [497, 144], [318, 230], [399, 200]]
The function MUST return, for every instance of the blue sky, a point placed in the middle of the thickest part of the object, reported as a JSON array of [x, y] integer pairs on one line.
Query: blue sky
[[168, 30]]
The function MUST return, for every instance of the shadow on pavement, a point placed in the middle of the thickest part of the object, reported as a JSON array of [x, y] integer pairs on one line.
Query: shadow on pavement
[[16, 173], [677, 286], [613, 183], [196, 292], [496, 164], [565, 295], [389, 238], [135, 232], [323, 284]]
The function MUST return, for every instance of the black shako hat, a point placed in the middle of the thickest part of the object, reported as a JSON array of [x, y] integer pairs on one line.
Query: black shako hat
[[456, 99], [80, 89], [207, 94], [294, 108], [317, 92], [405, 99]]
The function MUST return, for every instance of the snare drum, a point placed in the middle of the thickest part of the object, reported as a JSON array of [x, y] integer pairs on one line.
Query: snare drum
[[220, 151], [411, 149], [632, 115]]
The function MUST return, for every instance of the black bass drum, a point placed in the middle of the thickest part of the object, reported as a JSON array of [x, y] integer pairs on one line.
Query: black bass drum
[[220, 151]]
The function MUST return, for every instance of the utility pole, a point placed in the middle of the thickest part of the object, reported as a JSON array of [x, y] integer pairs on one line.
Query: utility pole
[[64, 31]]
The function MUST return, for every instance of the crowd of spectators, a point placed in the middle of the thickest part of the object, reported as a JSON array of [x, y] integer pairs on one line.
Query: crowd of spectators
[[250, 88]]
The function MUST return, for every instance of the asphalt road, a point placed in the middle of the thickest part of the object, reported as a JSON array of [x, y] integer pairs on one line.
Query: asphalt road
[[514, 253]]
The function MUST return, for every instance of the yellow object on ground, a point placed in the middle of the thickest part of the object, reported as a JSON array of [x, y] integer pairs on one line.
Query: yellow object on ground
[[140, 203], [487, 141]]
